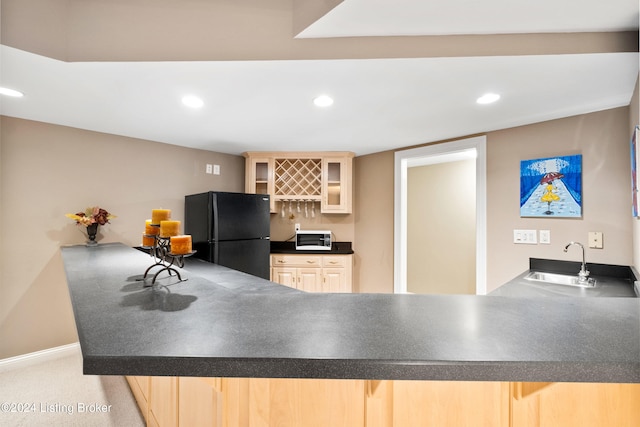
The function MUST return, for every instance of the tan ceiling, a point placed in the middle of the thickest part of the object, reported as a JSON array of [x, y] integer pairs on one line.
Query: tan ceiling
[[352, 18], [257, 80]]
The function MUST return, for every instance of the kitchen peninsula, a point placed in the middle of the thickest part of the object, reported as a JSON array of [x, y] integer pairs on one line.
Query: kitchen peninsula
[[225, 324]]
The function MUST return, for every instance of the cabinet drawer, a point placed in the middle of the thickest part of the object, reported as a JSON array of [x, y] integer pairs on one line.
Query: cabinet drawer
[[335, 261], [296, 261]]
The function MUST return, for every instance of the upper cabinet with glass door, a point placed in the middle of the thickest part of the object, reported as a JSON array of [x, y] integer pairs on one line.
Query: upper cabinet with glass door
[[336, 184], [259, 177], [307, 177]]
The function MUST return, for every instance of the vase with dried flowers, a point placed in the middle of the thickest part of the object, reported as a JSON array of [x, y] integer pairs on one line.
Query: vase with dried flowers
[[91, 218]]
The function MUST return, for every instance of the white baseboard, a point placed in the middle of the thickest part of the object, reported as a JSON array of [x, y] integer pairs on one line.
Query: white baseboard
[[25, 360]]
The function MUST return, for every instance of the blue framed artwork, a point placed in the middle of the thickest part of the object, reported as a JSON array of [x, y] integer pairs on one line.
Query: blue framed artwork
[[551, 187]]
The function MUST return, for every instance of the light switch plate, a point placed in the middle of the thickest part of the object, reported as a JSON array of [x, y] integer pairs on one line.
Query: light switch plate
[[595, 240], [527, 237]]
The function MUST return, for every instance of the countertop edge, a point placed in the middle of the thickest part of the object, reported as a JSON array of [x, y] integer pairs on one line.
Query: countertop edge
[[303, 252], [289, 248], [526, 371]]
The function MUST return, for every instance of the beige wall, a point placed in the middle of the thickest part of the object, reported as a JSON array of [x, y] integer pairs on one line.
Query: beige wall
[[47, 171], [341, 225], [441, 228], [373, 204], [603, 140], [634, 120]]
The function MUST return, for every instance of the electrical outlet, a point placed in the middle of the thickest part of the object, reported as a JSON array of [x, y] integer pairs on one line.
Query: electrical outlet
[[209, 168], [545, 237], [595, 240], [297, 226]]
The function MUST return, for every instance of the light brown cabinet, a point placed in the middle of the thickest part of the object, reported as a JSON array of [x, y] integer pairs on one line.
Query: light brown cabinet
[[200, 402], [140, 387], [263, 402], [163, 399], [336, 185], [337, 273], [305, 279], [315, 177], [575, 404], [313, 273], [305, 403], [259, 177], [437, 403]]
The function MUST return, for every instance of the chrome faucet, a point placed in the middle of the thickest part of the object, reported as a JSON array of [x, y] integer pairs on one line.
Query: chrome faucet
[[583, 274]]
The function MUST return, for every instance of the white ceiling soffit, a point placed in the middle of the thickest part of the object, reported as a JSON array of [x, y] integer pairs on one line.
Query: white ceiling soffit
[[267, 105], [354, 18]]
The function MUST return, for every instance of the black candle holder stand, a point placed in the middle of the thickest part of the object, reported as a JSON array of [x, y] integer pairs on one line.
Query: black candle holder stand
[[163, 258]]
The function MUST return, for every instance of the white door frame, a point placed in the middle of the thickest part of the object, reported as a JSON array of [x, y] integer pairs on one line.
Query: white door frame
[[421, 155]]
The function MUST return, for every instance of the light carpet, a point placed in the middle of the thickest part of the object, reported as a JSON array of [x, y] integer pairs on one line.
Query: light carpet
[[56, 393]]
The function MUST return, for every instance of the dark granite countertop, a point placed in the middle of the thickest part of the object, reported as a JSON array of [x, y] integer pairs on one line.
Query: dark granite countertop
[[337, 248], [225, 323]]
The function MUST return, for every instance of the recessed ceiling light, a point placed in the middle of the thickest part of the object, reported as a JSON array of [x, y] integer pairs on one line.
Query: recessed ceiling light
[[488, 98], [192, 101], [323, 101], [11, 92]]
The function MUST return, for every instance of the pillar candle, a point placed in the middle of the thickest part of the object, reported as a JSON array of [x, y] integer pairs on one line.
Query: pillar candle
[[181, 244], [150, 229], [169, 228], [158, 215], [148, 240]]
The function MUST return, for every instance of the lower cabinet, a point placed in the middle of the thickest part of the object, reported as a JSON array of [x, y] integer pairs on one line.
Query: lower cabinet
[[200, 402], [304, 403], [305, 279], [313, 273], [263, 402], [575, 404], [437, 403], [140, 387], [163, 399], [480, 404]]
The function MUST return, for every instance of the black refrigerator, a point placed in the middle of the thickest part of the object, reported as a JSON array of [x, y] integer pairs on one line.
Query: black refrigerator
[[230, 229]]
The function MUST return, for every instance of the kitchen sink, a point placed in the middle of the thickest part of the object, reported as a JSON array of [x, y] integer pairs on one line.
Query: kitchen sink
[[560, 279]]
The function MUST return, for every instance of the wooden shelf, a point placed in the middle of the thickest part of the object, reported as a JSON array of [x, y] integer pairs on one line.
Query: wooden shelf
[[298, 177], [324, 177]]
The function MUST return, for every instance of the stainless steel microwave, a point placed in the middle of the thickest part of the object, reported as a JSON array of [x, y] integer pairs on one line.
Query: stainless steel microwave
[[313, 240]]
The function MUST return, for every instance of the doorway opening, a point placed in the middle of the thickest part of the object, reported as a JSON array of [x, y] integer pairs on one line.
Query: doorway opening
[[439, 153]]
